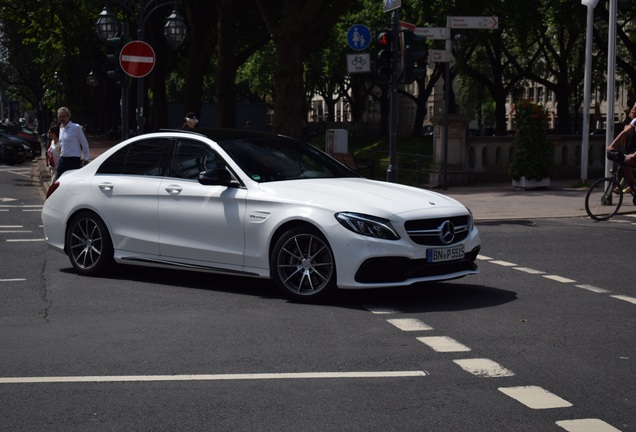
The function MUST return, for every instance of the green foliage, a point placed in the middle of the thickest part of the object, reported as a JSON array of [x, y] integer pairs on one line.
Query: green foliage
[[532, 152]]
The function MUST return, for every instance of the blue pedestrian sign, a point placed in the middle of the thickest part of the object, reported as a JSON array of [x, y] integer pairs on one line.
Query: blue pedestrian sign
[[358, 37]]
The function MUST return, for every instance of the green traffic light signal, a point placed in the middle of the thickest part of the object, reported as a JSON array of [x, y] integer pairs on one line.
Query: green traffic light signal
[[415, 56]]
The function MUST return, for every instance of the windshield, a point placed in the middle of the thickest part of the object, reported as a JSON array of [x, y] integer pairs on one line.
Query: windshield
[[266, 159]]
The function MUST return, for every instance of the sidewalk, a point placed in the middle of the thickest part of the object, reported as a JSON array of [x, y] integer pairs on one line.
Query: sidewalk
[[492, 201], [497, 201]]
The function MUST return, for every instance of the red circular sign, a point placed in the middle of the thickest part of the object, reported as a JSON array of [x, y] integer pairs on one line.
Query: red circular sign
[[137, 59]]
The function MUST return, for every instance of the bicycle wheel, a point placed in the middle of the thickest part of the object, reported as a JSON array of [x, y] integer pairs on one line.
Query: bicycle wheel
[[603, 199]]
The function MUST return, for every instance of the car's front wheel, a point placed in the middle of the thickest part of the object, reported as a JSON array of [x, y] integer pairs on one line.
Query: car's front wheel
[[88, 244], [302, 265]]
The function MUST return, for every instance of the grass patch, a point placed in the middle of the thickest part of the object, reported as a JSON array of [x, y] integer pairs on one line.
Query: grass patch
[[414, 156]]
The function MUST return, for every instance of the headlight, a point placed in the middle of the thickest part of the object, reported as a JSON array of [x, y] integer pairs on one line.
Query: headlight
[[367, 225]]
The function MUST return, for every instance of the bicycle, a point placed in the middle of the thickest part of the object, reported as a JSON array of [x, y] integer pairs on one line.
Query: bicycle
[[605, 196]]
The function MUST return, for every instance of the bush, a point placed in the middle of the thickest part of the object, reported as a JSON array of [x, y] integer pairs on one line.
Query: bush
[[532, 152]]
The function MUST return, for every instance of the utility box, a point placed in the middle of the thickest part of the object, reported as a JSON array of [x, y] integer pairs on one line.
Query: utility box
[[337, 141]]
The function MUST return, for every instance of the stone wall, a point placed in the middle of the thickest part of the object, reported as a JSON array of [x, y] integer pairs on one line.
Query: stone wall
[[487, 158]]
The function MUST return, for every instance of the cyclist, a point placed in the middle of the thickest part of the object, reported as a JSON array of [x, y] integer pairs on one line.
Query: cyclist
[[626, 139]]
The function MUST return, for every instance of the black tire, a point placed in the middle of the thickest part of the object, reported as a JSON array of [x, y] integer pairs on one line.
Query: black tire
[[88, 244], [603, 199], [302, 265]]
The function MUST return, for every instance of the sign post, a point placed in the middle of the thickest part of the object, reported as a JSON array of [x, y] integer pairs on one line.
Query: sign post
[[468, 22], [137, 59], [358, 38]]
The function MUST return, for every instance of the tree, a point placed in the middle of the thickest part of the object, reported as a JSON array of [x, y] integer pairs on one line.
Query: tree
[[41, 38], [298, 28], [202, 18], [241, 33], [561, 43]]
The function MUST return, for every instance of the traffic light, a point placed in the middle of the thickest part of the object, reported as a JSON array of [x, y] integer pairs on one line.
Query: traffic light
[[114, 46], [415, 56], [384, 56]]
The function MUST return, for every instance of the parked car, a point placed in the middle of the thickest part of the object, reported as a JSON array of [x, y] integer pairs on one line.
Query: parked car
[[28, 151], [255, 204], [26, 135], [11, 153]]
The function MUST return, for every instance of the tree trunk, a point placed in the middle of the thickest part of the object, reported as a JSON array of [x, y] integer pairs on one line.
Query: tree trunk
[[225, 86], [288, 88], [202, 42]]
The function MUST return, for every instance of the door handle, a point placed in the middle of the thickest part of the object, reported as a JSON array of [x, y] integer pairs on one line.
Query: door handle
[[106, 186], [174, 189]]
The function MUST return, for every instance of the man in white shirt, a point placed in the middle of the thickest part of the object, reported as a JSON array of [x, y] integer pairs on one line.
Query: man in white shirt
[[72, 142]]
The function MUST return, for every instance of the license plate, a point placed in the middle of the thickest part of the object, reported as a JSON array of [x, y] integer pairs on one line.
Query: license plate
[[446, 254]]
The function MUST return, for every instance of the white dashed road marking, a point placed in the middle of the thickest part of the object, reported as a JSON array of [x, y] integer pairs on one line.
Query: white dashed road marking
[[484, 368], [409, 324], [625, 298], [586, 425], [535, 397], [504, 263], [381, 310], [593, 289], [443, 344], [529, 270], [559, 278]]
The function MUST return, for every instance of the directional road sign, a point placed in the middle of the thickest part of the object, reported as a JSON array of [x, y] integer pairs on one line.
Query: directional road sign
[[358, 37], [475, 22], [437, 33], [137, 59], [440, 56]]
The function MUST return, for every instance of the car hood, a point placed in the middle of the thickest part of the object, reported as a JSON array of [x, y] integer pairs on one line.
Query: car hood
[[361, 195]]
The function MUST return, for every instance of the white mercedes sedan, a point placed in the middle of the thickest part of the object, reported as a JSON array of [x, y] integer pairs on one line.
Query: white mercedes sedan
[[259, 205]]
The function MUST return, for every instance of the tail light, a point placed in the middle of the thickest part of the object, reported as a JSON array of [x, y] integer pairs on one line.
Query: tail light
[[52, 189]]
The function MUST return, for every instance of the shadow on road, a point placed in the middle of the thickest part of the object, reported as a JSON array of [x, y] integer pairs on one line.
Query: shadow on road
[[433, 297]]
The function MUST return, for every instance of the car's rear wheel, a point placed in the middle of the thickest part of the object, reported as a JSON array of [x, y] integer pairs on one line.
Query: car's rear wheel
[[89, 246], [302, 265]]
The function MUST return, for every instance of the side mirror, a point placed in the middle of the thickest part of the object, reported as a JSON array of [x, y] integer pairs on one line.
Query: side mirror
[[217, 177]]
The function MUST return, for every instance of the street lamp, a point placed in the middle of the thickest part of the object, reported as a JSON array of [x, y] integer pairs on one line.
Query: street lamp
[[108, 27], [175, 30], [91, 80], [107, 24]]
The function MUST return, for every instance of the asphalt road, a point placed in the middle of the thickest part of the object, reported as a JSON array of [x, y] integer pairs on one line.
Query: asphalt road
[[542, 340]]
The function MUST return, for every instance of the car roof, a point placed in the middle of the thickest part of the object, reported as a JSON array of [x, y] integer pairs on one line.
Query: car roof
[[230, 134]]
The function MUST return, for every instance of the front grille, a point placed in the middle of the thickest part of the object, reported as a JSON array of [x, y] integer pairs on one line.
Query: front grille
[[395, 269], [428, 232]]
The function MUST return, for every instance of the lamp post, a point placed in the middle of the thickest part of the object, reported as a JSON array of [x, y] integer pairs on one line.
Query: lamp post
[[589, 33], [611, 71], [91, 82], [108, 27], [58, 88]]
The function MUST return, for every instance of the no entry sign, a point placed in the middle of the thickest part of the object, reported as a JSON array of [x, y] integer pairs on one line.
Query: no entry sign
[[137, 59]]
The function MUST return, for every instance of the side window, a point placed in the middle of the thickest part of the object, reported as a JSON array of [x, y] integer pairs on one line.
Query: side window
[[140, 158], [115, 163], [191, 158]]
